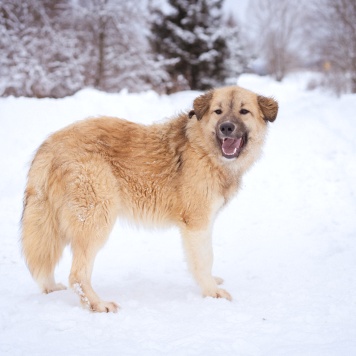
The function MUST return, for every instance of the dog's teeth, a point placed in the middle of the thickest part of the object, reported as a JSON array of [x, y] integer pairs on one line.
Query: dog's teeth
[[230, 154]]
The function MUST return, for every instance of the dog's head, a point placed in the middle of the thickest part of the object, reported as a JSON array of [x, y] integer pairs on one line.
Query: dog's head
[[231, 122]]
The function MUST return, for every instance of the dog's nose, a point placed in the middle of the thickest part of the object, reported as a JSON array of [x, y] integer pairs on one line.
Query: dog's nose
[[227, 128]]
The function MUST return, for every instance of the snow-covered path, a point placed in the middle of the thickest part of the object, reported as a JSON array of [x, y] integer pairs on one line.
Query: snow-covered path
[[286, 246]]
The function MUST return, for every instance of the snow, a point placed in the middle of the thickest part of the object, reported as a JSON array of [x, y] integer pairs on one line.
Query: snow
[[285, 246]]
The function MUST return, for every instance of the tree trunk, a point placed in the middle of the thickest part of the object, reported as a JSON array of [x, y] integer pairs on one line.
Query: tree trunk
[[99, 79]]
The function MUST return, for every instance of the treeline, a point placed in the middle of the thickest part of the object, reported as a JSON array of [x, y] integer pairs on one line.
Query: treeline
[[313, 34], [55, 48]]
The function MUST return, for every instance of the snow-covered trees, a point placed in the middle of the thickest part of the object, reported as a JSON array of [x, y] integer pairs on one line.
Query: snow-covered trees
[[276, 35], [54, 48], [119, 55], [35, 60], [238, 57], [333, 24], [189, 37]]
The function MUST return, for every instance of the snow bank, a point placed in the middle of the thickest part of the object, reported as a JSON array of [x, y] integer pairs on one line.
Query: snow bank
[[285, 246]]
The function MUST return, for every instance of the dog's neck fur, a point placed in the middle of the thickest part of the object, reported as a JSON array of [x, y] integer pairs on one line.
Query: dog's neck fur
[[193, 158]]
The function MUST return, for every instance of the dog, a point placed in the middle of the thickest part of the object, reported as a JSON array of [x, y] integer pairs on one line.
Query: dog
[[180, 172]]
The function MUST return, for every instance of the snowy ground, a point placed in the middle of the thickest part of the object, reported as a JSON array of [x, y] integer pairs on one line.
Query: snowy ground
[[286, 246]]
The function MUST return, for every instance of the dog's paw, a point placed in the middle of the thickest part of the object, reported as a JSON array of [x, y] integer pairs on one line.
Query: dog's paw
[[218, 280], [53, 288], [104, 307], [219, 293]]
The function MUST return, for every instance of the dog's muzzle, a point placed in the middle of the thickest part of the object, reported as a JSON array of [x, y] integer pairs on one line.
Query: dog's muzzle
[[232, 138]]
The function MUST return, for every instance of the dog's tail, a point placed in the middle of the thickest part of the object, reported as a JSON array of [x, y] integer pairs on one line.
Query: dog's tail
[[42, 245]]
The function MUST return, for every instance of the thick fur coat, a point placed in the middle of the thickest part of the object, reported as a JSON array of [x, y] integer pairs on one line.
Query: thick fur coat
[[180, 172]]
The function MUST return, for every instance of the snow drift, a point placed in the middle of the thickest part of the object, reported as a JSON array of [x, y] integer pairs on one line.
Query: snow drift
[[288, 261]]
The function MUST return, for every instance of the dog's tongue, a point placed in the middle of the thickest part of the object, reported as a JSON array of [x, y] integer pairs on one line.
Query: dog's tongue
[[231, 145]]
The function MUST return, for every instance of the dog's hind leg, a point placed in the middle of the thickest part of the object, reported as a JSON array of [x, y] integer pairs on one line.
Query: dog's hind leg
[[85, 246], [89, 216]]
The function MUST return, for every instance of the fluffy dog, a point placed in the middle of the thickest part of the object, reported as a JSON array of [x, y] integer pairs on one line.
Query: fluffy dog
[[180, 172]]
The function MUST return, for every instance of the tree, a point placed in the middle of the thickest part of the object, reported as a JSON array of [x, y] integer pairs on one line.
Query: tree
[[276, 28], [333, 24], [237, 58], [54, 48], [119, 54], [187, 37], [36, 60]]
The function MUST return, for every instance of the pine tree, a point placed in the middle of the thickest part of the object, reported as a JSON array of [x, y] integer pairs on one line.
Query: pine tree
[[189, 39]]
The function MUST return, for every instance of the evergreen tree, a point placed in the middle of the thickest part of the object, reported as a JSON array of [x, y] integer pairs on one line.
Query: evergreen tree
[[189, 37]]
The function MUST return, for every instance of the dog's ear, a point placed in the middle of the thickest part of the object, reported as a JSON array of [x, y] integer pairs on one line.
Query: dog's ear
[[269, 107], [191, 114], [201, 105]]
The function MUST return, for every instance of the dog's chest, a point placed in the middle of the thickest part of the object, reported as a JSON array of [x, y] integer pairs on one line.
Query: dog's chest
[[217, 204], [229, 191]]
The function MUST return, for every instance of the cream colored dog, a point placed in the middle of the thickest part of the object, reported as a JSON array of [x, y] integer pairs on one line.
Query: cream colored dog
[[181, 172]]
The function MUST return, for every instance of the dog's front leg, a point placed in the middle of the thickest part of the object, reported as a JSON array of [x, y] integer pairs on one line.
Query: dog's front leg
[[199, 253]]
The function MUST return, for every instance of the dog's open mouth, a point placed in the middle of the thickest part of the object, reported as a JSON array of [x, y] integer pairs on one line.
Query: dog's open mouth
[[231, 147]]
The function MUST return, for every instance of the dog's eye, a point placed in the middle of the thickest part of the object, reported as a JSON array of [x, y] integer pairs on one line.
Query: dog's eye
[[218, 111], [244, 111]]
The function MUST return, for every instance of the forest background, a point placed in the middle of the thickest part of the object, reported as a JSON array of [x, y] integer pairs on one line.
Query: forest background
[[55, 48]]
